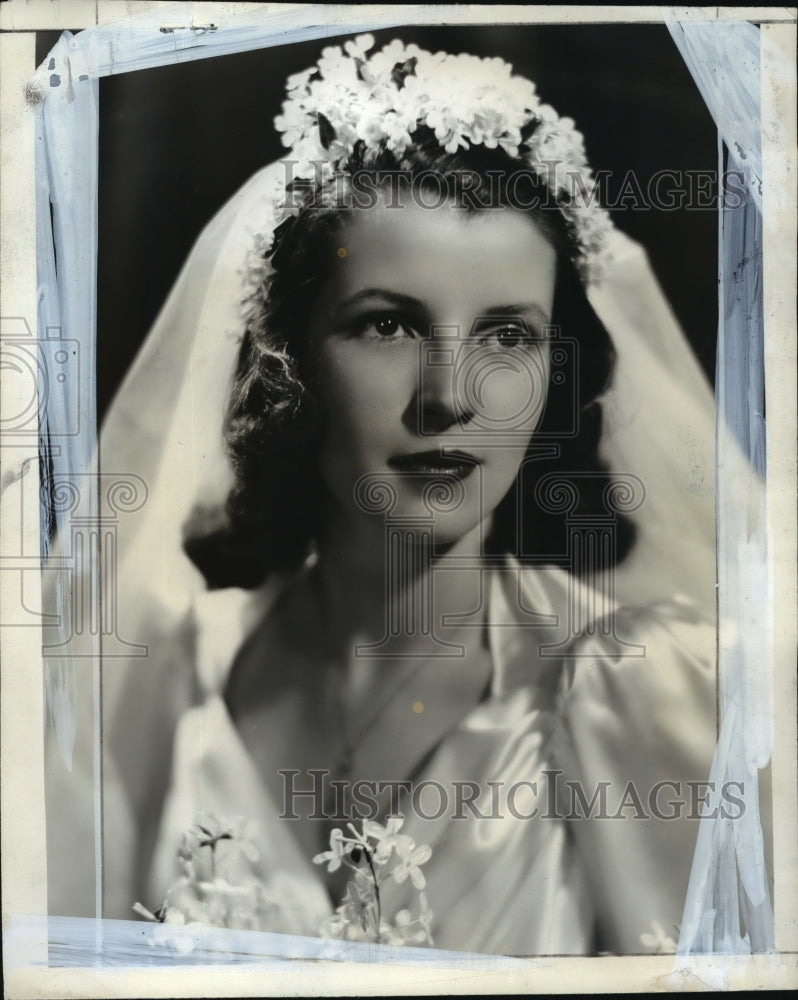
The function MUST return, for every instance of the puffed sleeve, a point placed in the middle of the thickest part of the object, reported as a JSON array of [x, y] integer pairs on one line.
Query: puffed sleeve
[[638, 734]]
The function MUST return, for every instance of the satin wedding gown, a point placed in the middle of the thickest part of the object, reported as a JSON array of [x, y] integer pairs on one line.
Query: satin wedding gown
[[516, 877]]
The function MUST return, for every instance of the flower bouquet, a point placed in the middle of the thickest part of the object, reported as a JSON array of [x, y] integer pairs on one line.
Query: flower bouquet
[[219, 886]]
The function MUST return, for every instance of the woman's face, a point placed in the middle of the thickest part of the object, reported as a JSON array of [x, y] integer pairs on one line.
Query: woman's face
[[428, 356]]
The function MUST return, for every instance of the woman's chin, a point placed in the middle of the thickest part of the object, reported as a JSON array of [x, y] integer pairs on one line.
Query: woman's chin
[[440, 532]]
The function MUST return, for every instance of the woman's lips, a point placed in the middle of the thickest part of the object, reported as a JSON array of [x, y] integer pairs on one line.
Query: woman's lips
[[434, 463]]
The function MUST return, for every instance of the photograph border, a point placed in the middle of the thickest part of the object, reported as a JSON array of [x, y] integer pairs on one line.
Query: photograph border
[[69, 137]]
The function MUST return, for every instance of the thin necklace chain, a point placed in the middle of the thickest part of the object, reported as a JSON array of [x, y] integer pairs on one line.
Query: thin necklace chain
[[350, 747], [338, 674]]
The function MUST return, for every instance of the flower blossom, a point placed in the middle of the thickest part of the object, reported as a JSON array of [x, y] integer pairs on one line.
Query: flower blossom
[[387, 837], [411, 859], [658, 941], [334, 857], [380, 99]]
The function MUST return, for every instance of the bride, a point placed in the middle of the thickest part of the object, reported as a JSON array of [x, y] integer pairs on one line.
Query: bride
[[433, 584]]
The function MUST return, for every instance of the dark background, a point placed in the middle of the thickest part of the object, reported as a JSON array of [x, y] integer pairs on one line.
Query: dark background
[[176, 142]]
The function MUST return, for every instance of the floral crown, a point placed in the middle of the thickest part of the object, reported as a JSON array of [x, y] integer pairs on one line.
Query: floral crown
[[381, 100]]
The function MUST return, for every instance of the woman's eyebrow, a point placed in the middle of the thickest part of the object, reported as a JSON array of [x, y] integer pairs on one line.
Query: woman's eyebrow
[[518, 309], [406, 302], [416, 307]]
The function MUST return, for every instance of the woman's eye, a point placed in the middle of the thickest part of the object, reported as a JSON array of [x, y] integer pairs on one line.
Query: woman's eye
[[383, 326], [386, 326], [508, 335]]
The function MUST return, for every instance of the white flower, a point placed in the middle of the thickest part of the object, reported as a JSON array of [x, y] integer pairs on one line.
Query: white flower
[[357, 904], [173, 916], [381, 65], [396, 132], [370, 129], [354, 918], [368, 852], [387, 837], [217, 845], [299, 81], [293, 123], [359, 46], [658, 942], [411, 859], [334, 857], [144, 912], [335, 67], [464, 99], [408, 929]]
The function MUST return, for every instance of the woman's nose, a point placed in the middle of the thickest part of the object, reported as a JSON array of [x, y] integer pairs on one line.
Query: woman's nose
[[439, 402]]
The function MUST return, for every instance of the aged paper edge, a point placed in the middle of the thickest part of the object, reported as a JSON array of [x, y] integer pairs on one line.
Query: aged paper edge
[[24, 855]]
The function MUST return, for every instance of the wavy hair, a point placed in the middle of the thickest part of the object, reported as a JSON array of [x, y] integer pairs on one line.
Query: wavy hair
[[272, 430]]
